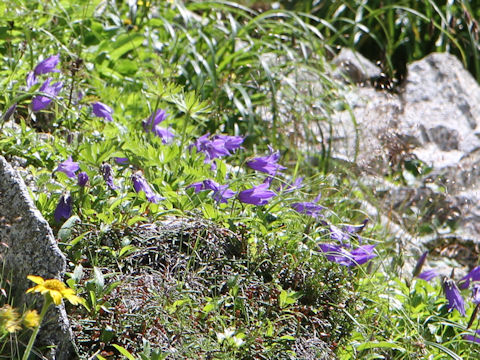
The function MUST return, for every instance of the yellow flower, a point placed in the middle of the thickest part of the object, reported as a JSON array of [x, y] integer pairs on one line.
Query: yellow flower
[[31, 319], [127, 22], [9, 319], [55, 288]]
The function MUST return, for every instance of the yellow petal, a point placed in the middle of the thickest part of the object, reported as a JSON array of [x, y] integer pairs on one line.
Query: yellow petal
[[36, 279], [56, 296]]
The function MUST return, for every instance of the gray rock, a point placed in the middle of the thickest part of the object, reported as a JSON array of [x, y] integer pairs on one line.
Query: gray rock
[[354, 67], [29, 248]]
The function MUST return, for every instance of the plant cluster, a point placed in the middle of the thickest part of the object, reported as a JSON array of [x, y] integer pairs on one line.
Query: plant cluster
[[151, 136]]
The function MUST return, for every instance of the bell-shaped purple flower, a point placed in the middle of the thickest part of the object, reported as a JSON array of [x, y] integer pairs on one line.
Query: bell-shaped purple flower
[[31, 79], [68, 167], [258, 195], [221, 193], [476, 293], [455, 300], [64, 208], [308, 208], [362, 254], [267, 164], [212, 149], [336, 253], [340, 255], [47, 65], [82, 178], [140, 184], [231, 143], [40, 102], [103, 111], [473, 275], [152, 125], [428, 275], [107, 173]]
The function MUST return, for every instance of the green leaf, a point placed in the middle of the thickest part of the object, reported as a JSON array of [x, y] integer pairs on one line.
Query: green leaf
[[124, 352], [380, 344]]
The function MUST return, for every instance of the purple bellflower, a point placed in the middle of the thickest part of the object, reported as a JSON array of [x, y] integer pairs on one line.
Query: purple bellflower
[[267, 164], [140, 184], [231, 143], [43, 67], [212, 149], [476, 293], [107, 173], [473, 275], [338, 254], [221, 193], [64, 208], [455, 300], [258, 195], [102, 110], [48, 65], [308, 208], [31, 79], [82, 178], [152, 124], [68, 167], [428, 275], [40, 102]]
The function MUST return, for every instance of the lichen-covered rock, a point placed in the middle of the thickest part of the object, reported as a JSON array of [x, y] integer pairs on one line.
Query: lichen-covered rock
[[29, 248]]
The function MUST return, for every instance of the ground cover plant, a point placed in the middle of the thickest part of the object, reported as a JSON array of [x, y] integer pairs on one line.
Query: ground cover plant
[[151, 139]]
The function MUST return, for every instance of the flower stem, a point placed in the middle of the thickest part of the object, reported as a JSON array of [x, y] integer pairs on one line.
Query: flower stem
[[46, 304]]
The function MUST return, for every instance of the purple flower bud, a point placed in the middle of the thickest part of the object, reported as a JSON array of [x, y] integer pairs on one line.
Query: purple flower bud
[[455, 300], [140, 184], [473, 275], [102, 110], [475, 338], [9, 112], [47, 65], [267, 164], [40, 102], [107, 174], [428, 275], [308, 208], [82, 178], [152, 125], [419, 265], [121, 160], [31, 79], [258, 195], [68, 167], [64, 208]]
